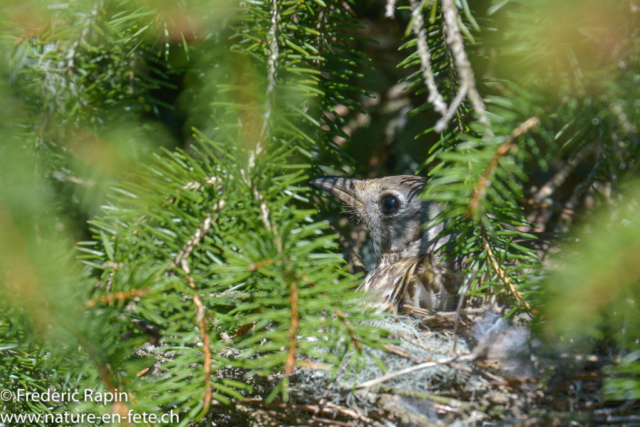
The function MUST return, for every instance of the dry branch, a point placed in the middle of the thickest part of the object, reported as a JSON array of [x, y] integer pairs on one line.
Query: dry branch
[[425, 365], [425, 57], [455, 41]]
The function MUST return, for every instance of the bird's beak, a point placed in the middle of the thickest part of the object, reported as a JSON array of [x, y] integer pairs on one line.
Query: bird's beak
[[343, 189]]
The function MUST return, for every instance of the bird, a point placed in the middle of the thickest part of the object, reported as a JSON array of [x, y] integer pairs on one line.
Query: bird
[[410, 271]]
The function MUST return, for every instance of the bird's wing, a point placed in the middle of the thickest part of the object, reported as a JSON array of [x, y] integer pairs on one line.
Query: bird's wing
[[418, 282], [436, 286]]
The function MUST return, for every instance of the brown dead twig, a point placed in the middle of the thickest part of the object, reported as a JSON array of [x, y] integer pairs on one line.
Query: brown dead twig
[[117, 296], [290, 364], [204, 334], [354, 339], [181, 262], [402, 353]]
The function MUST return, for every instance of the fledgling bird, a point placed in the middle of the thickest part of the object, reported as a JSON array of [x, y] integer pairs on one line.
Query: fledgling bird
[[408, 271]]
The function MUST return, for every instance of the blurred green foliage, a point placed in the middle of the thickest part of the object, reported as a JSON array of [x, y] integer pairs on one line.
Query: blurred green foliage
[[593, 296], [200, 251]]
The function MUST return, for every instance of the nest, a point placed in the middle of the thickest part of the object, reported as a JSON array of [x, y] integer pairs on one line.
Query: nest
[[490, 371]]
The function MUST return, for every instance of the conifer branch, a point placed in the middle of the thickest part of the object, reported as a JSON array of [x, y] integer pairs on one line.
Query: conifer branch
[[87, 26], [181, 261], [260, 271], [425, 57], [272, 61], [105, 371], [204, 335], [197, 236], [451, 111], [455, 41], [269, 225], [502, 274], [390, 8], [354, 339], [480, 189], [290, 364]]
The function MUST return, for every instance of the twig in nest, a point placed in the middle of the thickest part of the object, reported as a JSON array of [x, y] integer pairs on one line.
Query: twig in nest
[[425, 365], [428, 315], [418, 344], [403, 353]]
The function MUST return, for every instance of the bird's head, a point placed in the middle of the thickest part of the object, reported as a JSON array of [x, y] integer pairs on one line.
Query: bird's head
[[391, 208]]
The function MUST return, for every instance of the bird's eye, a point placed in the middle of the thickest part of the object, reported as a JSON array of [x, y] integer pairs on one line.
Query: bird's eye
[[389, 205]]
